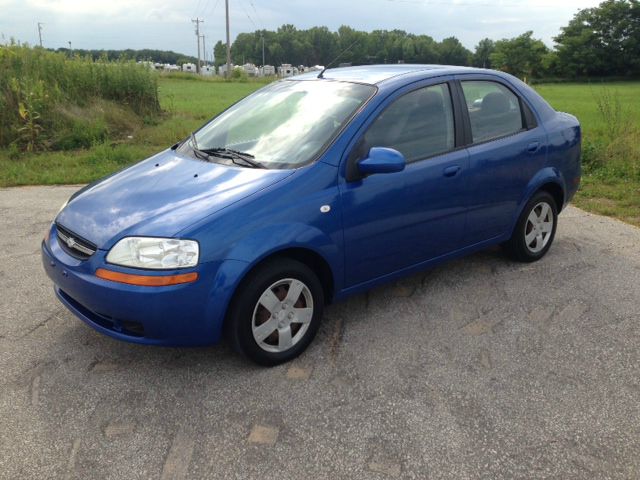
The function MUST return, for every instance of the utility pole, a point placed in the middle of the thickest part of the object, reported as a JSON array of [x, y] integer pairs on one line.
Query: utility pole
[[40, 32], [262, 35], [228, 41], [197, 21], [204, 50]]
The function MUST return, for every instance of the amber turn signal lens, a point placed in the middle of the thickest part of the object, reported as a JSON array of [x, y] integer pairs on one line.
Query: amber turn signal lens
[[146, 280]]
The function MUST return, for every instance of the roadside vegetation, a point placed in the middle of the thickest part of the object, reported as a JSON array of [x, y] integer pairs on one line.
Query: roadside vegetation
[[73, 119], [50, 102], [184, 105]]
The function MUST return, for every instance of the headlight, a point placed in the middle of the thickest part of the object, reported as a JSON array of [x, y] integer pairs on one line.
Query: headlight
[[155, 253]]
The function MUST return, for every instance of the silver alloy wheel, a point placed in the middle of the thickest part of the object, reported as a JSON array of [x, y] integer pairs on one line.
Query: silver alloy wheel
[[538, 227], [282, 315]]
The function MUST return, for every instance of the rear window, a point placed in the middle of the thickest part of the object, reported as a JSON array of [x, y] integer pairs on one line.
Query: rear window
[[494, 110]]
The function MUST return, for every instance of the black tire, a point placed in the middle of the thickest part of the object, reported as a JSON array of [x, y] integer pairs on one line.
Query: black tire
[[240, 319], [517, 246]]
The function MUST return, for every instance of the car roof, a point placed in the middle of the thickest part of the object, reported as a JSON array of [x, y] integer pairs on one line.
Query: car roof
[[376, 74]]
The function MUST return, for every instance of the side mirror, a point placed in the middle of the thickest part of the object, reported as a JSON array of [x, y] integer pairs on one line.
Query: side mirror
[[382, 160]]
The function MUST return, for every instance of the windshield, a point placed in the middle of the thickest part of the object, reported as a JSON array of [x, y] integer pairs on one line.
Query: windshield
[[283, 125]]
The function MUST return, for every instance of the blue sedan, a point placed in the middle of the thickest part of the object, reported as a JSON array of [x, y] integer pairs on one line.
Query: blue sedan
[[309, 190]]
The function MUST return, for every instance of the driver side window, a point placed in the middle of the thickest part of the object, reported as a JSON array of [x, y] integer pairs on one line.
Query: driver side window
[[418, 124]]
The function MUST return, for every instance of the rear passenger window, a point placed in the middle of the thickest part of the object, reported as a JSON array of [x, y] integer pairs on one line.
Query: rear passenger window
[[494, 110], [418, 124]]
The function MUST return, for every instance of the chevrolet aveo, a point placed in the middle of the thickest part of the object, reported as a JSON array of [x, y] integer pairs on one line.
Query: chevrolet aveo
[[311, 189]]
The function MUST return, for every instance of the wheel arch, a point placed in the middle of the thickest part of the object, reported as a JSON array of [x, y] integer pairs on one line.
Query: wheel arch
[[556, 191], [307, 256], [549, 180], [312, 259]]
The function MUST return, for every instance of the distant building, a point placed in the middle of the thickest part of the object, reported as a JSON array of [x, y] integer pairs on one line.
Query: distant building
[[250, 69], [147, 64], [287, 70], [189, 67], [222, 69], [208, 70], [267, 70]]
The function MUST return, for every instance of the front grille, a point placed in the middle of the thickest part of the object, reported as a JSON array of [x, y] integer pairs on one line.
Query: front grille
[[74, 245]]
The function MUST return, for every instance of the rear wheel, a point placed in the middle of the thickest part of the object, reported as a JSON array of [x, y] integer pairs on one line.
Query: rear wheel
[[276, 312], [535, 230]]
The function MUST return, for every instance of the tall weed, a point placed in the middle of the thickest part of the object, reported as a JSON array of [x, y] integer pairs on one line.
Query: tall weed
[[613, 151], [615, 117], [35, 83]]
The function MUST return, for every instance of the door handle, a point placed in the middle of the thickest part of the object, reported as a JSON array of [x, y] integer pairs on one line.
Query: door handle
[[451, 171], [533, 147]]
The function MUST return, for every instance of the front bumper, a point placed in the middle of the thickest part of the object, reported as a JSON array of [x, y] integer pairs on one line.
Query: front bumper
[[177, 315]]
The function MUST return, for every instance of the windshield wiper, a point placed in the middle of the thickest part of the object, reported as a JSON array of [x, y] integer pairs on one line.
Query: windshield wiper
[[197, 152], [234, 155]]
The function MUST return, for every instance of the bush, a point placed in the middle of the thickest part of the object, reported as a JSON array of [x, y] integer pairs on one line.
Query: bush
[[36, 85], [239, 75]]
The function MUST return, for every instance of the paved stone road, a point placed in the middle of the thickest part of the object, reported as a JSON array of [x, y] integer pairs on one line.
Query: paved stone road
[[481, 368]]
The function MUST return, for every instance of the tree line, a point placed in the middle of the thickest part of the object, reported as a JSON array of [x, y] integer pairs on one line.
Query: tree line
[[599, 41], [160, 56]]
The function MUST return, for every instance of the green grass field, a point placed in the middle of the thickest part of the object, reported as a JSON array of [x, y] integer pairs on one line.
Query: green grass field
[[611, 181], [610, 117], [579, 99]]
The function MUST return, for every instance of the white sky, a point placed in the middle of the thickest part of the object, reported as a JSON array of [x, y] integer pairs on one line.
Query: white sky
[[166, 25]]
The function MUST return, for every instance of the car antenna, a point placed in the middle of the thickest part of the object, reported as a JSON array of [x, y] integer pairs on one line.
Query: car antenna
[[335, 59]]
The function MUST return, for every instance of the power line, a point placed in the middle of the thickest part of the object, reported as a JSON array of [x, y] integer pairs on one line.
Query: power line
[[257, 15], [208, 9], [197, 10], [466, 4], [247, 14], [261, 33], [211, 10]]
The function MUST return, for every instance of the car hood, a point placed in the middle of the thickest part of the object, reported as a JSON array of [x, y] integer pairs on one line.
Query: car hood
[[159, 197]]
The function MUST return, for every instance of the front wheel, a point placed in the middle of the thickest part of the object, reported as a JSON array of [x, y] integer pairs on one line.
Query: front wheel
[[535, 230], [276, 312]]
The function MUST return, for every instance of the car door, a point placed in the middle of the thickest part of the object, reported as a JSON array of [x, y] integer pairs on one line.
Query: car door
[[506, 148], [395, 220]]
